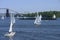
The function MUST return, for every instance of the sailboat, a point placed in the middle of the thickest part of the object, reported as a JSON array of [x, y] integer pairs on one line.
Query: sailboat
[[54, 16], [2, 17], [11, 33], [38, 20]]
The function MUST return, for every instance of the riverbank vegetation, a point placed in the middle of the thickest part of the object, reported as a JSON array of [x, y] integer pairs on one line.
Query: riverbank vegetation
[[45, 13]]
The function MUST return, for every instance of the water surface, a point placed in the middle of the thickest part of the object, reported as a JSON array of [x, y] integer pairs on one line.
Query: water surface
[[26, 30]]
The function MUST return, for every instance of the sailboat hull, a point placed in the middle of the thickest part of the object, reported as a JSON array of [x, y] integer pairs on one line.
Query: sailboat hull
[[10, 34]]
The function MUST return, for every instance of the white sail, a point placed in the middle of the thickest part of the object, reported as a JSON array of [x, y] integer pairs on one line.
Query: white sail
[[10, 29], [38, 20], [2, 17], [54, 16], [12, 22]]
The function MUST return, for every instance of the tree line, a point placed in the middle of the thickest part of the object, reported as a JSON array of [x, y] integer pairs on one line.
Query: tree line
[[44, 14]]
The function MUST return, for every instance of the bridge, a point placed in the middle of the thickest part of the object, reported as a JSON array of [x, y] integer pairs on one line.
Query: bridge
[[6, 13]]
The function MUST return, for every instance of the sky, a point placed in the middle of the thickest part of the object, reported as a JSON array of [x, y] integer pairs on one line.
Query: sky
[[31, 5]]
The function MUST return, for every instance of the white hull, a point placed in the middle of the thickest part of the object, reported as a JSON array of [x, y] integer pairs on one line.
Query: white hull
[[37, 23], [11, 34]]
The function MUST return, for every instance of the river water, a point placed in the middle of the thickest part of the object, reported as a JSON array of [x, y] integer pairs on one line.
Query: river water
[[26, 30]]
